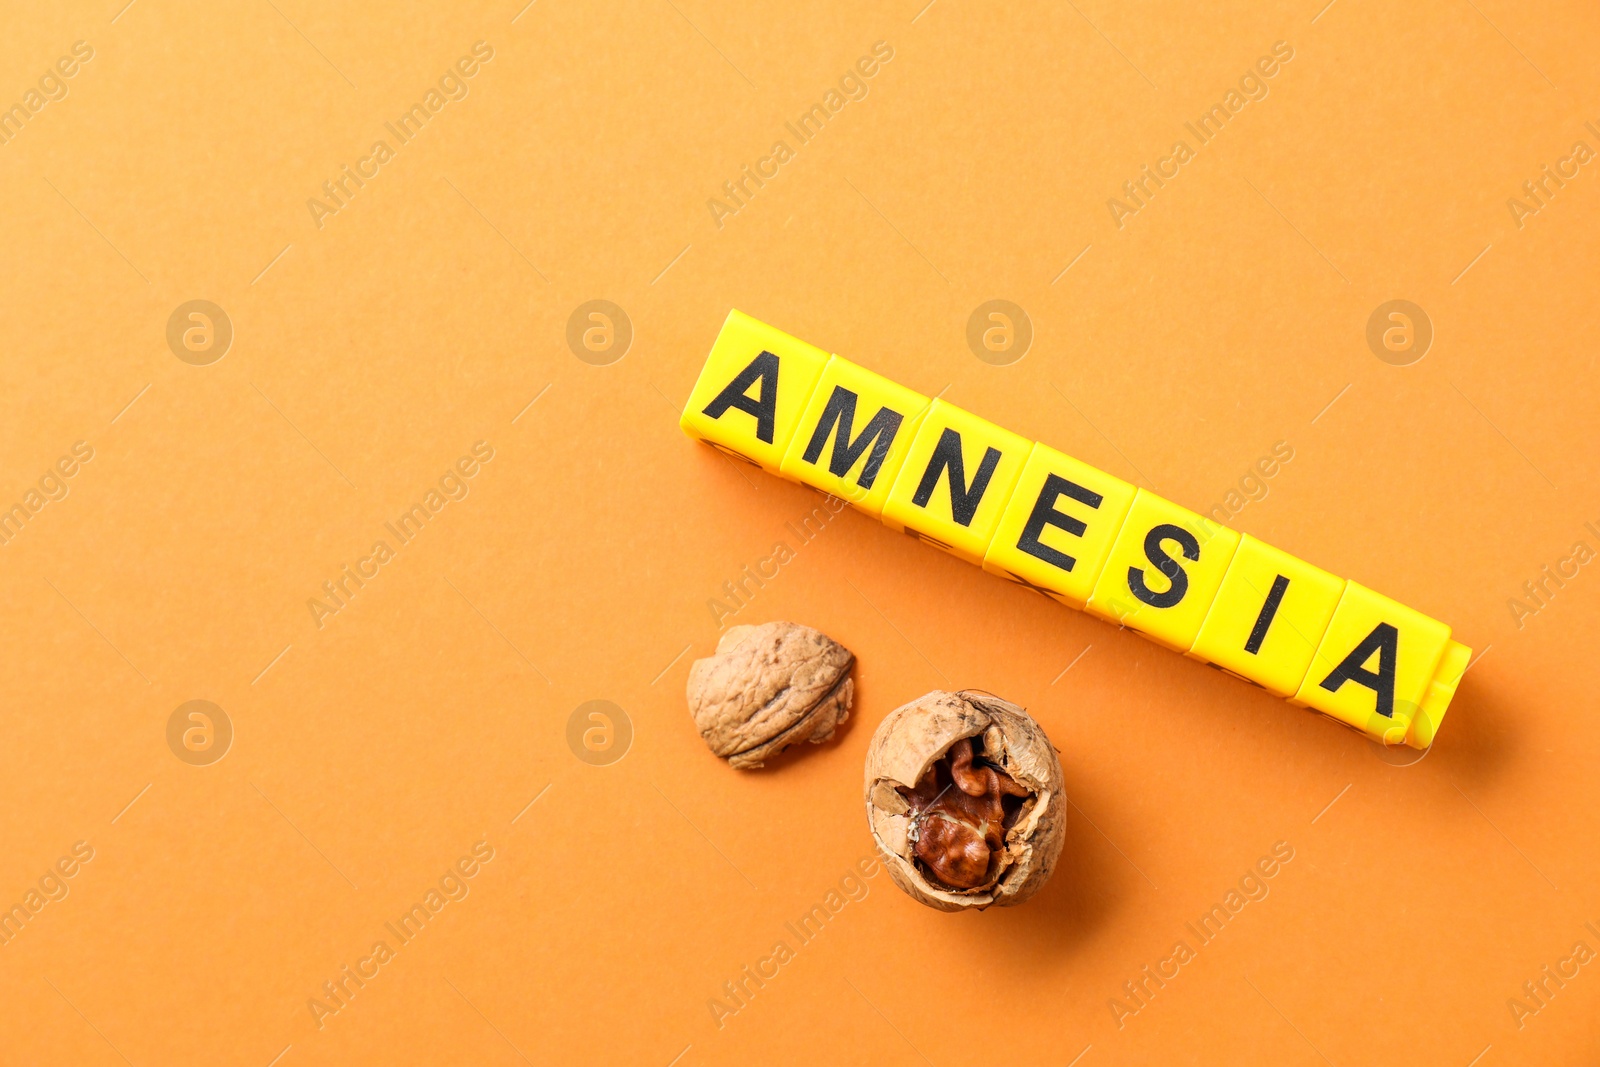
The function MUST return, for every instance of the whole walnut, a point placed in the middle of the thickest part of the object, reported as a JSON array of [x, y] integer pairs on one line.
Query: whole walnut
[[964, 800], [768, 687]]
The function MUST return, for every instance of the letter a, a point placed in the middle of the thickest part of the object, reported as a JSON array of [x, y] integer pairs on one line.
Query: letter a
[[1518, 210], [1119, 211], [1384, 640], [319, 1011], [764, 406], [319, 209], [718, 209]]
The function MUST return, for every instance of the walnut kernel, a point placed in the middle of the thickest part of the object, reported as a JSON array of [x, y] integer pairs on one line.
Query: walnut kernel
[[964, 800]]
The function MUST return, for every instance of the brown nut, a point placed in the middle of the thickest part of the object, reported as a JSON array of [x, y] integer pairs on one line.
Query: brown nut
[[768, 687], [964, 800]]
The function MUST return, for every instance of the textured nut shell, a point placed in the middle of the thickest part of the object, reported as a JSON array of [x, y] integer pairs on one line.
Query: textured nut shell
[[907, 743], [768, 687]]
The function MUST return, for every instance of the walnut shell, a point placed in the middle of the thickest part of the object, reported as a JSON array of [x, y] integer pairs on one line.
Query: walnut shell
[[903, 754], [768, 687]]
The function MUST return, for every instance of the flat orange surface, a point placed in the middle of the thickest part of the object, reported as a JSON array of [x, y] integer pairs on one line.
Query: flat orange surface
[[399, 397]]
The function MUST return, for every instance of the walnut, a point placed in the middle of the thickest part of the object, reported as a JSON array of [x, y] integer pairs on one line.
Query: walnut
[[964, 800], [768, 687]]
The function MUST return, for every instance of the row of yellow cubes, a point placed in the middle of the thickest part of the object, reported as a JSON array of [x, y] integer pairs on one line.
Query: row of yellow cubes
[[1023, 510]]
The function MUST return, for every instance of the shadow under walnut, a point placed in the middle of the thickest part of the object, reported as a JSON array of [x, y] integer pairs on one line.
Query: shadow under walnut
[[769, 687]]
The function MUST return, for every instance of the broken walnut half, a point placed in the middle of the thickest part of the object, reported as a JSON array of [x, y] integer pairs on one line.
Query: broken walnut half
[[964, 800], [768, 687]]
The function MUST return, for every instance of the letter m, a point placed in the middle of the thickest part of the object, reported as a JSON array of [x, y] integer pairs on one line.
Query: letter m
[[878, 434]]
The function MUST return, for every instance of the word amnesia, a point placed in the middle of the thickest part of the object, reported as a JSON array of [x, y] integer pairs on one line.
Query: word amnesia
[[1038, 517]]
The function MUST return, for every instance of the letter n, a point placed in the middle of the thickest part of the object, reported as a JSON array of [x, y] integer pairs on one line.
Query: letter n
[[964, 498]]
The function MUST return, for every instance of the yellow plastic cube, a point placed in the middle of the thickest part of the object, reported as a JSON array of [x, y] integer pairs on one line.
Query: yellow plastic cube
[[1376, 665], [854, 435], [1164, 571], [1269, 617], [752, 391], [1058, 529], [956, 480], [1452, 665]]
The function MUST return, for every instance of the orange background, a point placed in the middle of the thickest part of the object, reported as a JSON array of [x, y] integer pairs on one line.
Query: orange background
[[372, 752]]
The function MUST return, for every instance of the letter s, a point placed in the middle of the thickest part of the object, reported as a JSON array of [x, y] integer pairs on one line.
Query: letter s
[[883, 50], [1156, 553], [484, 851], [483, 450], [1283, 850], [1283, 50], [483, 50], [83, 450], [83, 50], [83, 851]]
